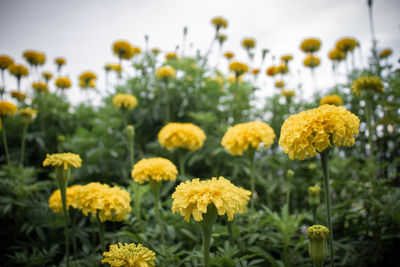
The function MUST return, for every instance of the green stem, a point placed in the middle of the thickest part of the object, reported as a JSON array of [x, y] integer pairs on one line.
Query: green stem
[[206, 228], [314, 211], [5, 142], [181, 159], [155, 188], [62, 177], [368, 115], [25, 129], [251, 153], [325, 170], [288, 194], [101, 234], [229, 224], [73, 234], [131, 150], [167, 106]]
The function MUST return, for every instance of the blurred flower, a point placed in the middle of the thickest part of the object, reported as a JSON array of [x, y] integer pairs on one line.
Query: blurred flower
[[40, 87], [383, 54], [18, 95], [156, 169], [346, 44], [165, 72], [336, 55], [310, 132], [5, 61], [181, 135], [34, 58], [222, 38], [64, 160], [47, 75], [171, 56], [255, 71], [73, 195], [27, 114], [136, 50], [18, 70], [248, 43], [272, 71], [155, 51], [90, 84], [238, 68], [286, 58], [125, 101], [219, 22], [311, 61], [229, 55], [367, 84], [314, 195], [331, 100], [288, 93], [60, 61], [282, 68], [63, 82], [87, 77], [279, 84], [193, 197], [310, 45], [129, 255], [239, 137], [7, 108], [123, 49]]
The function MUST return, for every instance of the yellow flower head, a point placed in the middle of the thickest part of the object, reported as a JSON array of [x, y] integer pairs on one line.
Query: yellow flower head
[[255, 71], [63, 82], [125, 101], [5, 61], [18, 95], [311, 61], [239, 137], [18, 70], [171, 56], [317, 232], [7, 108], [60, 61], [28, 113], [109, 203], [238, 68], [155, 50], [282, 68], [310, 45], [165, 72], [193, 197], [346, 44], [34, 57], [248, 43], [314, 190], [136, 50], [64, 160], [157, 169], [47, 75], [123, 49], [272, 71], [305, 134], [288, 93], [279, 84], [229, 55], [73, 196], [331, 100], [286, 58], [219, 22], [87, 76], [116, 67], [181, 135], [89, 84], [40, 87], [383, 54], [367, 84], [129, 255], [336, 55], [222, 38]]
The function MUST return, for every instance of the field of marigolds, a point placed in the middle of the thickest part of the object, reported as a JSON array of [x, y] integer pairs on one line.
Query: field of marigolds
[[182, 165]]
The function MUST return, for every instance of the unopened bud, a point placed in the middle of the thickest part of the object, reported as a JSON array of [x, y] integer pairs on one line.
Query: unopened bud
[[130, 130], [314, 195], [317, 235]]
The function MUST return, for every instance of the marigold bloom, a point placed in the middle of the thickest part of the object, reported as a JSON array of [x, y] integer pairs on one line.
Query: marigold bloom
[[219, 22], [311, 61], [73, 195], [60, 61], [310, 132], [116, 67], [64, 160], [155, 50], [129, 255], [346, 44], [272, 71], [136, 50], [222, 38], [40, 87], [18, 95], [331, 100], [109, 203], [255, 71], [367, 84], [165, 72], [123, 49], [28, 113], [87, 76], [288, 93], [171, 56], [89, 84], [238, 68], [239, 137], [157, 169], [336, 55], [5, 61], [310, 45], [383, 54], [248, 43], [193, 197], [125, 101], [229, 55], [63, 82], [34, 57], [286, 58], [47, 75], [181, 135], [7, 108], [18, 70], [282, 68], [280, 84]]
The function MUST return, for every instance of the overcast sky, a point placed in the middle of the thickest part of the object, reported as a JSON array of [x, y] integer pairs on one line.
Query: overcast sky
[[83, 31]]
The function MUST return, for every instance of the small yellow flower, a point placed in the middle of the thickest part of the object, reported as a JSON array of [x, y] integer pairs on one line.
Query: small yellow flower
[[47, 75], [171, 56], [156, 169], [282, 68], [279, 84], [288, 93], [64, 160], [18, 70], [18, 95], [5, 61], [311, 61], [367, 84], [331, 100], [7, 108], [181, 135], [87, 77], [310, 45], [385, 53], [89, 84], [346, 44], [125, 101], [165, 72], [255, 71], [286, 58], [155, 50], [248, 43], [336, 55], [238, 68], [34, 58], [28, 113], [219, 22], [123, 49], [136, 50], [229, 55], [222, 38], [129, 255], [40, 87], [60, 61], [63, 82], [272, 71], [73, 195]]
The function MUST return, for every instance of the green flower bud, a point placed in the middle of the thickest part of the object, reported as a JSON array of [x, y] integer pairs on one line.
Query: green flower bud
[[314, 195], [60, 138], [130, 130], [290, 174], [317, 243]]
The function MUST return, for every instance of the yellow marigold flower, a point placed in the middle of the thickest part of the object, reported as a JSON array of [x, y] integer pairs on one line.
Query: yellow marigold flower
[[305, 134], [73, 195], [310, 45], [87, 76], [255, 71], [222, 38], [219, 22], [181, 135], [63, 82], [34, 57], [47, 75], [157, 169], [311, 61], [280, 84], [248, 43], [155, 51], [7, 108], [282, 68], [336, 55], [64, 160], [60, 61], [346, 44], [239, 137], [229, 55], [317, 232], [238, 68], [272, 71], [125, 101], [5, 61], [18, 70], [129, 255], [166, 72], [89, 84], [123, 49], [288, 93], [193, 197], [28, 113], [136, 50], [331, 100], [370, 83], [383, 54], [18, 95], [286, 58], [116, 67], [171, 56], [40, 87], [109, 203]]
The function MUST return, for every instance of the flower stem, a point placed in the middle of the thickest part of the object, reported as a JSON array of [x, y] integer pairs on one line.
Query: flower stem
[[325, 170], [251, 153], [5, 143], [181, 159], [314, 211], [155, 188], [368, 114], [206, 228], [167, 107], [101, 234], [23, 143], [62, 177]]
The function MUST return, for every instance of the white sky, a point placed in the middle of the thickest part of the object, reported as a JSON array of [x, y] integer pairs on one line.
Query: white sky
[[83, 31]]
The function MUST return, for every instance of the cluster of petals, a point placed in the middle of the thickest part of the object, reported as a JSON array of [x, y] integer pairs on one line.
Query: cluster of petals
[[181, 135], [157, 169], [125, 101], [129, 255]]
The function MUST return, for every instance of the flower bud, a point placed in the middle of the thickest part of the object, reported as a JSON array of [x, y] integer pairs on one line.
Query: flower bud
[[317, 235], [314, 195], [290, 174], [130, 130], [60, 138]]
